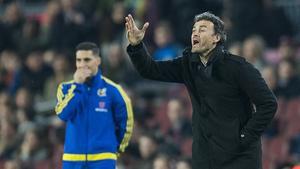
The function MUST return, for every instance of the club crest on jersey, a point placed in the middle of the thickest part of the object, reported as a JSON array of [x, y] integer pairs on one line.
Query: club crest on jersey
[[101, 92]]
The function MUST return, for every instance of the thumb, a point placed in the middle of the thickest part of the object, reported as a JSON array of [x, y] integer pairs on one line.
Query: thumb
[[146, 25]]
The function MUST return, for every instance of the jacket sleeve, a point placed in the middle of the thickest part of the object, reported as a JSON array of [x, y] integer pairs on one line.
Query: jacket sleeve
[[254, 86], [69, 97], [123, 117], [168, 71]]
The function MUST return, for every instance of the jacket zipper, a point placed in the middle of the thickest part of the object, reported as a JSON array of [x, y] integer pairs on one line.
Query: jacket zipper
[[87, 128]]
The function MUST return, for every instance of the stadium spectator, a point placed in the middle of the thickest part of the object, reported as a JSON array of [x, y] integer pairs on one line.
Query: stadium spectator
[[288, 80], [148, 149], [183, 163], [166, 49], [253, 51], [180, 127], [161, 162]]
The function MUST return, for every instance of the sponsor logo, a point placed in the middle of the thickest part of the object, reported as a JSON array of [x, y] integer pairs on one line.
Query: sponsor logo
[[101, 107]]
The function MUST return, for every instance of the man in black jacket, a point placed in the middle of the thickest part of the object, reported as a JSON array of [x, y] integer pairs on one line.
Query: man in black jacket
[[232, 104]]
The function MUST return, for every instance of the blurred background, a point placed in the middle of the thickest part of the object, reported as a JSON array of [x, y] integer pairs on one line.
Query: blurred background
[[37, 40]]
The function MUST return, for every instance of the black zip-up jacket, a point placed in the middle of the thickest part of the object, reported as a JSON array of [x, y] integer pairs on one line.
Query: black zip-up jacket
[[232, 105]]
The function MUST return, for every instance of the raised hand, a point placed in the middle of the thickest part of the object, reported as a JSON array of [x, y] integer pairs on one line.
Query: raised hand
[[134, 35], [81, 75]]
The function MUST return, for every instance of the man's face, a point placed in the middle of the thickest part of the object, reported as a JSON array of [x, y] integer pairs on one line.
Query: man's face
[[85, 59], [203, 37]]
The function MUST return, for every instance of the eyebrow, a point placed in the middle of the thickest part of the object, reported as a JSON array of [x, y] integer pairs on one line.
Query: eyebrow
[[201, 26], [85, 59]]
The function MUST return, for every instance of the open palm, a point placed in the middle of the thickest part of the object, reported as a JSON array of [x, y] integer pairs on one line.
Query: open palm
[[134, 35]]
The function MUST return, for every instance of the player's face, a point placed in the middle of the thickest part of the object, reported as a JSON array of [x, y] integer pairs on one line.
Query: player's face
[[203, 37], [85, 59]]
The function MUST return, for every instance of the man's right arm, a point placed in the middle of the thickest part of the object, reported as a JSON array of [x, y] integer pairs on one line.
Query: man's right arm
[[69, 97], [168, 71]]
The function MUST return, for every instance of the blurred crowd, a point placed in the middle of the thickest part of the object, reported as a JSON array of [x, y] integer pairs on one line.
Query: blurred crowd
[[37, 53]]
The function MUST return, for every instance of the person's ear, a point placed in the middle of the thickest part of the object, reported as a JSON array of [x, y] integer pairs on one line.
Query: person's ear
[[217, 38]]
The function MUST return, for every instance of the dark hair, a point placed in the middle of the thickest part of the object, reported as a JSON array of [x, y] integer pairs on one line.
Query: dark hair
[[152, 136], [89, 46], [218, 24]]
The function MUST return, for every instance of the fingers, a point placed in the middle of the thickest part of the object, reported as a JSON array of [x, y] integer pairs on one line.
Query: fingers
[[81, 74], [84, 71], [132, 22], [128, 29], [127, 24], [146, 25]]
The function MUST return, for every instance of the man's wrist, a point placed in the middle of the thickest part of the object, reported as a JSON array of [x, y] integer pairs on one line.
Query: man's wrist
[[135, 44]]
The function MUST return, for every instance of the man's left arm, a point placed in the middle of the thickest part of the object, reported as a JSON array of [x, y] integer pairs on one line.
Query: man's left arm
[[251, 82], [123, 118]]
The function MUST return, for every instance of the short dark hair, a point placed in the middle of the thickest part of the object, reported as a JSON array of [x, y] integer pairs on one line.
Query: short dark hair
[[218, 24], [89, 46]]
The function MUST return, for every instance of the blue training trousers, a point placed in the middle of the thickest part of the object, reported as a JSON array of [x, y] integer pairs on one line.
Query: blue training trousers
[[102, 164]]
